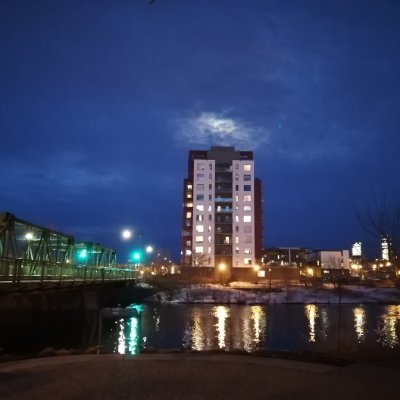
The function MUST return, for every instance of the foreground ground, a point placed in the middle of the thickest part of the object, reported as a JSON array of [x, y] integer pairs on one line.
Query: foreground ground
[[180, 376]]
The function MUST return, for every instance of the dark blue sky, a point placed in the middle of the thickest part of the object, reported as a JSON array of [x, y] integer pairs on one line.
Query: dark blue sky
[[101, 100]]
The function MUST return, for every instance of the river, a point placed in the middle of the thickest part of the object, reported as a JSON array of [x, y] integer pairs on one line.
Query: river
[[249, 328]]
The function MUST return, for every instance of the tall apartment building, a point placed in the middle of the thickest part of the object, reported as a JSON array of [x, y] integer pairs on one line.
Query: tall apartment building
[[222, 221]]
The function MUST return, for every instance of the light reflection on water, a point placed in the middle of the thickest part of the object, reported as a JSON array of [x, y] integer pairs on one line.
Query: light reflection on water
[[222, 314], [312, 314], [128, 341], [388, 327], [359, 323], [229, 327]]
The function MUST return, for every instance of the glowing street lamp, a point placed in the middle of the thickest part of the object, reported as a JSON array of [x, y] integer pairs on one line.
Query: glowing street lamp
[[29, 236], [126, 234], [149, 249]]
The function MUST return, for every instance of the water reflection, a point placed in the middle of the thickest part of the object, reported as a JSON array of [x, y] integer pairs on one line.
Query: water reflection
[[311, 311], [128, 341], [260, 323], [231, 327], [224, 327], [359, 323], [222, 314], [197, 331], [387, 329]]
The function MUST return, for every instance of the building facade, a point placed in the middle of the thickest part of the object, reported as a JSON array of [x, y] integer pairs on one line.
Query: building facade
[[222, 221]]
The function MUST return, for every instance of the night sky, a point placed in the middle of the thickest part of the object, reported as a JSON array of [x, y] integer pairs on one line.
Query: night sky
[[102, 99]]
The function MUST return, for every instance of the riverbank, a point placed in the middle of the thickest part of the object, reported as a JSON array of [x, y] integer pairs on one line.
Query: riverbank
[[189, 376], [241, 293]]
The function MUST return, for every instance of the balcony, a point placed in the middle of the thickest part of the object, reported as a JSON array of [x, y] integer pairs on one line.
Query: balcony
[[223, 199], [224, 210], [222, 179]]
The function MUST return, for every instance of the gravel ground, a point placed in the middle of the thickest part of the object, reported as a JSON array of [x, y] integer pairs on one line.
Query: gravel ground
[[177, 376]]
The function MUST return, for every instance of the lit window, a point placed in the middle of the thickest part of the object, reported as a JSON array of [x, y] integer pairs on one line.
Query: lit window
[[247, 229], [200, 207], [188, 252], [237, 218], [209, 239], [247, 251], [236, 208], [199, 197], [199, 218], [247, 177], [199, 239], [237, 240], [210, 208], [247, 188], [200, 167], [189, 205], [247, 167], [227, 240], [200, 186], [200, 228], [189, 195], [199, 249], [236, 177], [246, 208], [247, 218], [189, 187], [209, 229], [188, 214], [236, 198], [200, 176], [237, 250], [247, 261], [247, 197]]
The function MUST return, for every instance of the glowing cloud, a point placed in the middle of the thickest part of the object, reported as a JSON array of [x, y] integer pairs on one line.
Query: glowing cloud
[[212, 128]]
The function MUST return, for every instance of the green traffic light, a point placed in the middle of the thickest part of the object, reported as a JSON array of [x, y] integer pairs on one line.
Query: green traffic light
[[83, 253]]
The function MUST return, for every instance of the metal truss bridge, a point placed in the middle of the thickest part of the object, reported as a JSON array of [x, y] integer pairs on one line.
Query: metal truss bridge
[[31, 252]]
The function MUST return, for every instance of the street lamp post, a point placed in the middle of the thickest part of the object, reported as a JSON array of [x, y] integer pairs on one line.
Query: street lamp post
[[256, 268], [222, 268]]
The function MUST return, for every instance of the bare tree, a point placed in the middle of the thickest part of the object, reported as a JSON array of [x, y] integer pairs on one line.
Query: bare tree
[[201, 259], [381, 218]]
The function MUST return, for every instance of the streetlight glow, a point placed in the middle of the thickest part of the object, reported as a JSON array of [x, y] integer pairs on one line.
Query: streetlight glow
[[126, 234], [149, 249], [29, 236], [222, 267]]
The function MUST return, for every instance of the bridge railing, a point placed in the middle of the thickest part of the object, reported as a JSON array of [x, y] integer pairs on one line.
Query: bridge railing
[[17, 270]]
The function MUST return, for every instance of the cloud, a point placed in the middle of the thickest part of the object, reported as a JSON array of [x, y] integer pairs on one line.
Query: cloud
[[209, 128]]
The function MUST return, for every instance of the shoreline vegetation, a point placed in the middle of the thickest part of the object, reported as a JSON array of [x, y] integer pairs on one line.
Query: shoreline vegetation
[[245, 293]]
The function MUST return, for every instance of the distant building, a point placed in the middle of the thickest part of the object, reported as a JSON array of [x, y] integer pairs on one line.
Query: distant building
[[222, 211], [329, 259], [356, 250], [284, 256], [386, 248]]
